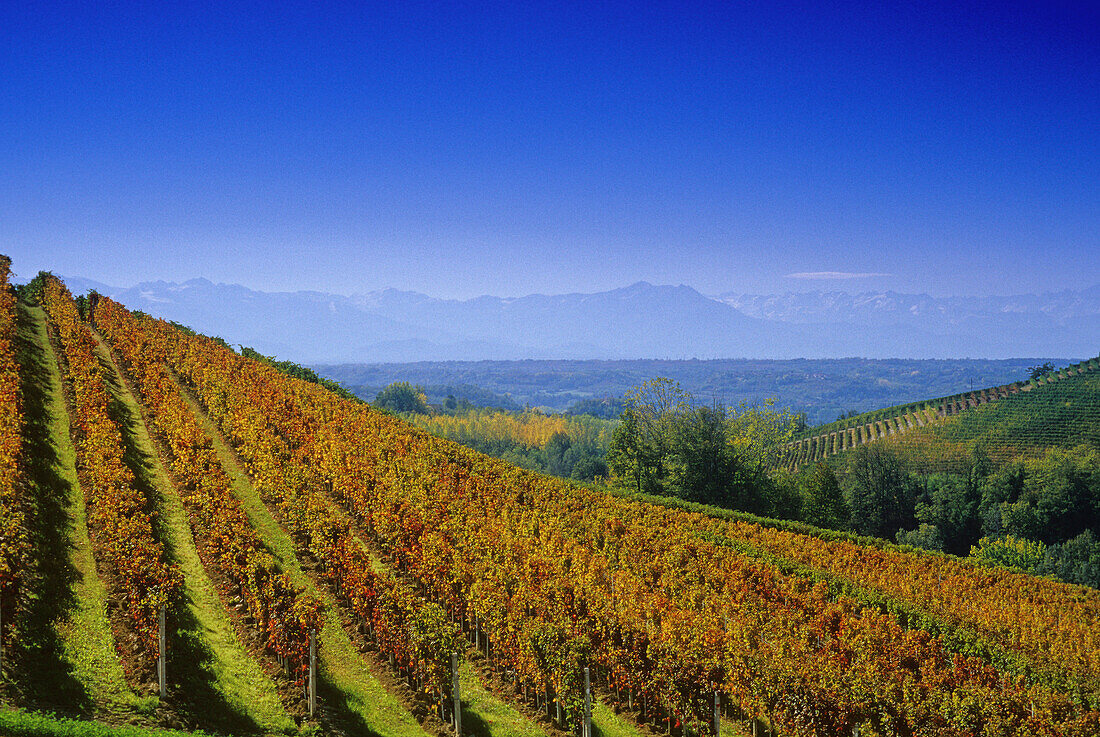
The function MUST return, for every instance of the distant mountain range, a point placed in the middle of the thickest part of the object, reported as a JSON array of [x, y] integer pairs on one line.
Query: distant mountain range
[[639, 321]]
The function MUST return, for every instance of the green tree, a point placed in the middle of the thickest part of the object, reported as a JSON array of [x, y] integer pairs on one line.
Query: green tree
[[704, 466], [1077, 560], [758, 433], [880, 492], [556, 450], [823, 502], [403, 397], [629, 458], [1051, 498], [1035, 372], [1011, 552], [713, 454], [641, 445], [779, 494], [926, 536], [950, 502], [589, 467]]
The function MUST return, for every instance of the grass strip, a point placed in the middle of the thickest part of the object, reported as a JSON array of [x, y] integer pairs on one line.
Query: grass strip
[[484, 714], [17, 723], [216, 681], [606, 723], [84, 635]]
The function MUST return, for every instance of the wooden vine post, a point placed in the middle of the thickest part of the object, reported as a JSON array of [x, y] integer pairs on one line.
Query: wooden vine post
[[457, 696], [162, 664], [717, 703], [587, 705], [313, 672], [1, 634]]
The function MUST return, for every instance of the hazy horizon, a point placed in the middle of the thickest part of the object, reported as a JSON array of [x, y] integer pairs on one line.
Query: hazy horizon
[[21, 278]]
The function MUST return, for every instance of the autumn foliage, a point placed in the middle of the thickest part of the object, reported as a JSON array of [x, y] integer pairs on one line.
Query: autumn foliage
[[650, 598], [120, 517], [415, 633], [227, 543], [14, 542]]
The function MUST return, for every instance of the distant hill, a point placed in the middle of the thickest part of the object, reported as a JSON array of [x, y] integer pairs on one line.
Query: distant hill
[[822, 388], [640, 321], [1059, 410]]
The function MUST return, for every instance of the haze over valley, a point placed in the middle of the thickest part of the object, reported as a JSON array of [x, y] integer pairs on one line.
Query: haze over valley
[[638, 321]]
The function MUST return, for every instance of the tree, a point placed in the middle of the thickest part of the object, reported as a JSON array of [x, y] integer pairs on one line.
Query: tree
[[1077, 560], [556, 449], [926, 536], [589, 467], [823, 502], [950, 502], [641, 445], [401, 396], [1050, 498], [880, 492], [626, 455], [713, 454], [778, 494], [1011, 552], [1034, 372], [704, 466], [758, 434]]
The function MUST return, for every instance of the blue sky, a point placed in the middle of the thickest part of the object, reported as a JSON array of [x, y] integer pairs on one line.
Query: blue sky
[[513, 148]]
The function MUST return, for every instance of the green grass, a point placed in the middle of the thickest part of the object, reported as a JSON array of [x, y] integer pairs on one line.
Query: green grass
[[485, 715], [346, 682], [69, 659], [214, 681], [606, 723], [16, 723], [730, 728]]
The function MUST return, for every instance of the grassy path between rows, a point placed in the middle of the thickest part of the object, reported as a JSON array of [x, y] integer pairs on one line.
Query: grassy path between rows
[[487, 715], [346, 682], [68, 661], [215, 683]]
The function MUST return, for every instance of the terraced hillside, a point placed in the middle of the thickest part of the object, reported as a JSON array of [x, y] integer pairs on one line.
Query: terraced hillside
[[1005, 418], [1060, 412], [273, 508]]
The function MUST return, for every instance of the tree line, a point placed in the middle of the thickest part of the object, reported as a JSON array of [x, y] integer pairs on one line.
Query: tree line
[[1040, 513]]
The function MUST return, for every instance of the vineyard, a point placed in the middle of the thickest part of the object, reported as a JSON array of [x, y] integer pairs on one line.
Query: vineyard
[[326, 524], [1055, 410], [13, 529]]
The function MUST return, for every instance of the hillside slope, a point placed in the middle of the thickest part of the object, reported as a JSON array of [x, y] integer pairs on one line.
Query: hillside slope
[[1061, 409]]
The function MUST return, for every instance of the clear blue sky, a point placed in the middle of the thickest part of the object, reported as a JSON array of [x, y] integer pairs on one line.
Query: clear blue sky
[[519, 147]]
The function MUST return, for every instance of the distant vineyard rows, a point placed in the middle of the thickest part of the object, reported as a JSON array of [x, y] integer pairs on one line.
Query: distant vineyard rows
[[844, 435]]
